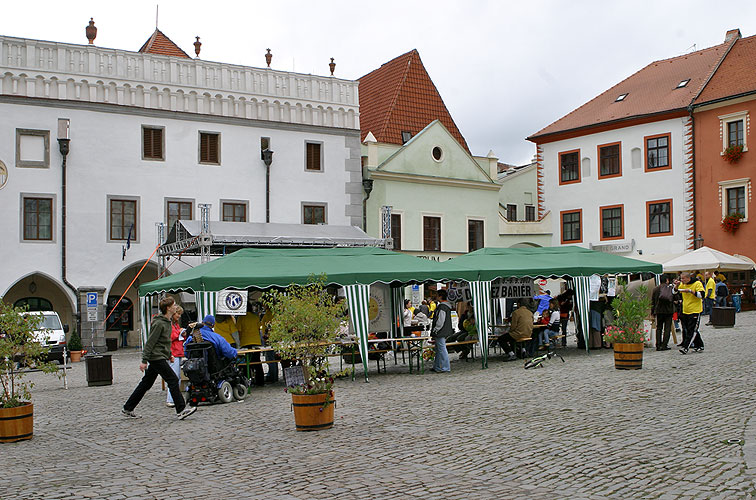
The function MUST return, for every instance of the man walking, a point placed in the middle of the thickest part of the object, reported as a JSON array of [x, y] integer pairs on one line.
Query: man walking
[[709, 295], [155, 361], [663, 307], [692, 293], [441, 329]]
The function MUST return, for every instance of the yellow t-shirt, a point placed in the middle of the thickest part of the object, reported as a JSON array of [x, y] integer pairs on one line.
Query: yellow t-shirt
[[225, 329], [249, 329], [710, 288], [691, 303]]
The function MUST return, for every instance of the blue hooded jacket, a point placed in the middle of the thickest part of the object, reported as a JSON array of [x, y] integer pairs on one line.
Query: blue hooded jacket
[[222, 347]]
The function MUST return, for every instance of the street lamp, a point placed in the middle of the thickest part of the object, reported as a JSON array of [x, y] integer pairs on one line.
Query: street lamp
[[698, 242], [367, 185], [267, 158]]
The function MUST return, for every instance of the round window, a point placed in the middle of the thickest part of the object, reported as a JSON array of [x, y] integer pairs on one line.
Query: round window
[[437, 153], [3, 175]]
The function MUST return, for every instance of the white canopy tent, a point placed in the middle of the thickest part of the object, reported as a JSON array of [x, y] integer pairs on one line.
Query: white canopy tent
[[708, 259]]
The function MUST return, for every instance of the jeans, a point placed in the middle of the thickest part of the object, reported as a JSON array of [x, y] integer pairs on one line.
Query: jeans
[[441, 361], [736, 303], [690, 331], [544, 336], [176, 367], [707, 305], [721, 301], [154, 368], [124, 336]]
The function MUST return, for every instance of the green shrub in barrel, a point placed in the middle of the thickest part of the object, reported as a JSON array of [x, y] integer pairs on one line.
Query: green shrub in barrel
[[627, 334]]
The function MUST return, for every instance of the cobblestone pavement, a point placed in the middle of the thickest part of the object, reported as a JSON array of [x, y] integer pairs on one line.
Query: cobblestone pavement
[[578, 430]]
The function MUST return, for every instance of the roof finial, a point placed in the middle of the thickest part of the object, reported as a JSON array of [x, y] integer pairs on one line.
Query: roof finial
[[332, 65], [157, 7], [91, 31], [268, 57], [197, 45]]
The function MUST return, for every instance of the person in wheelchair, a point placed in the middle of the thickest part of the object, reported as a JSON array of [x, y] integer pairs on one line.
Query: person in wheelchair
[[211, 367]]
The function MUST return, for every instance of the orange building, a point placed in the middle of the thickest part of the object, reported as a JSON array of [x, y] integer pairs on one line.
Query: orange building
[[724, 165]]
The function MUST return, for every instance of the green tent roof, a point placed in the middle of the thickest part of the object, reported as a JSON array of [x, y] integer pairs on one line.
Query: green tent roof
[[266, 267], [492, 263]]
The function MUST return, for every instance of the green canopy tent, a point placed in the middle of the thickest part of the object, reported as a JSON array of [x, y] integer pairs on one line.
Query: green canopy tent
[[355, 269], [541, 262]]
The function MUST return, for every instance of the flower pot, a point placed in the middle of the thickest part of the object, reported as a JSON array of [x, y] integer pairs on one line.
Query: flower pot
[[309, 412], [75, 356], [628, 356], [16, 424]]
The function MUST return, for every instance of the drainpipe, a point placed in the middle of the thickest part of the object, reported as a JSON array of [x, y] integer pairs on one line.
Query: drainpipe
[[64, 145], [267, 158]]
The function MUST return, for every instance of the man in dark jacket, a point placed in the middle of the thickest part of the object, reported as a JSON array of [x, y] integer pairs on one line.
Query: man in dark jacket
[[155, 361], [663, 307], [440, 330]]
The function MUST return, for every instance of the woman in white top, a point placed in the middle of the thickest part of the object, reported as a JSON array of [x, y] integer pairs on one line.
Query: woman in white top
[[407, 313]]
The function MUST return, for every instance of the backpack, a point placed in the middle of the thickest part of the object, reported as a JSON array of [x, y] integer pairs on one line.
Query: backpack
[[722, 290], [666, 294]]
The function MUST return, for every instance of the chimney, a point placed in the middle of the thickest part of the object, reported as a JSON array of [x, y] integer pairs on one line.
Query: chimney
[[732, 34], [372, 150], [493, 165]]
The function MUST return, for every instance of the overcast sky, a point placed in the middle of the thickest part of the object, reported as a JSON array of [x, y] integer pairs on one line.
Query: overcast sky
[[505, 69]]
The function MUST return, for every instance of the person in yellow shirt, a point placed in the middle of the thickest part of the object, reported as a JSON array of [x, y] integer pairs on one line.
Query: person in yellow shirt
[[249, 336], [708, 302], [226, 328], [692, 294]]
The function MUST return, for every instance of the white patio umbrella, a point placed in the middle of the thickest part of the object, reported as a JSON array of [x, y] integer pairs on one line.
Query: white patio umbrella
[[706, 258]]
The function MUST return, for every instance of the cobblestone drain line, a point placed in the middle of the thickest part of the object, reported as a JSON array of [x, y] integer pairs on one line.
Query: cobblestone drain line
[[578, 430]]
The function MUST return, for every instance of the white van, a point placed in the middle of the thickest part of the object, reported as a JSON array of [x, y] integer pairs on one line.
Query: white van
[[52, 333]]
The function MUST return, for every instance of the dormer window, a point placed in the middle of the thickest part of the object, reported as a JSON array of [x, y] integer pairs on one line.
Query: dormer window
[[683, 83], [406, 136], [621, 97]]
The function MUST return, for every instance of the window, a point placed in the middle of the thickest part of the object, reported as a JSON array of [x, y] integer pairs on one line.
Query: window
[[474, 235], [610, 161], [34, 304], [396, 230], [735, 133], [620, 97], [612, 227], [437, 153], [177, 210], [657, 152], [406, 136], [233, 212], [313, 214], [38, 220], [659, 218], [572, 230], [569, 167], [123, 216], [313, 153], [432, 234], [683, 83], [736, 200], [152, 143], [119, 316], [511, 212], [530, 213], [32, 148], [209, 148]]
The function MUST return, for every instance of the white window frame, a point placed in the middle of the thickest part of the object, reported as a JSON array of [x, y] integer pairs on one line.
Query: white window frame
[[735, 183], [734, 117]]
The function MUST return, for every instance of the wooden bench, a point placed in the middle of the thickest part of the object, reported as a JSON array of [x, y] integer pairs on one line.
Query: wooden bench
[[470, 342]]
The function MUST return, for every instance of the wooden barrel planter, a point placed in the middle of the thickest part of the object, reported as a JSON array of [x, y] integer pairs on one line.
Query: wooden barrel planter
[[16, 424], [628, 356], [309, 412]]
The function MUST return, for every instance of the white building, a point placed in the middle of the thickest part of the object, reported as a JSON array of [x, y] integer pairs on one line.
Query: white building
[[617, 172], [152, 137]]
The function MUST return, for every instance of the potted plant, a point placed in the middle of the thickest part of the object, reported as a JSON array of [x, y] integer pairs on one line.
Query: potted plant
[[733, 153], [18, 345], [304, 326], [730, 222], [74, 346], [627, 334]]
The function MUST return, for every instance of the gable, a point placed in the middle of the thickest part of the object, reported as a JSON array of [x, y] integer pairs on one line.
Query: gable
[[416, 157]]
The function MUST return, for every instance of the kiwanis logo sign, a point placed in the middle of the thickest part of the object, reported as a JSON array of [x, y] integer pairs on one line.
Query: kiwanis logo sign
[[231, 302]]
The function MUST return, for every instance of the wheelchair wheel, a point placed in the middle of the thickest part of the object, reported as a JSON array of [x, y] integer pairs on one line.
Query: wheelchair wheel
[[240, 392], [225, 392]]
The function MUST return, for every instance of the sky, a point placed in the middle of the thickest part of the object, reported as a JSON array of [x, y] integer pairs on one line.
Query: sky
[[505, 69]]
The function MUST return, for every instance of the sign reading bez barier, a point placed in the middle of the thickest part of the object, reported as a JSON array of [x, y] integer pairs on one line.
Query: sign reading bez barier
[[509, 288], [231, 302]]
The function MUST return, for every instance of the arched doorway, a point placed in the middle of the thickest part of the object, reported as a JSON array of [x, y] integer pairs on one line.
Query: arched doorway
[[42, 292], [126, 313]]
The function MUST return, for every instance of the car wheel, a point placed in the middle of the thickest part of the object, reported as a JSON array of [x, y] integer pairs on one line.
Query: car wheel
[[225, 392], [240, 392]]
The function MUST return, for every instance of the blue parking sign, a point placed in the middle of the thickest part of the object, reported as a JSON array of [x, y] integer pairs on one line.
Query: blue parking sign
[[91, 299]]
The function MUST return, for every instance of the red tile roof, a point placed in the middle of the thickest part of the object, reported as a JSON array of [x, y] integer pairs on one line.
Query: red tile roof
[[652, 90], [160, 44], [736, 75], [400, 97]]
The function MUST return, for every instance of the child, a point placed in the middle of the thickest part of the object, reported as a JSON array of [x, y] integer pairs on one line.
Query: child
[[552, 329]]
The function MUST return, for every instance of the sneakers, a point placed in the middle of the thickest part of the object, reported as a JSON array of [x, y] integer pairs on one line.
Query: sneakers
[[511, 357], [698, 349], [170, 405], [186, 412], [129, 414], [684, 350]]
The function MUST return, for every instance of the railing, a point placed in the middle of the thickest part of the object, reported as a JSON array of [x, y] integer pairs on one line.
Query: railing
[[35, 68]]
